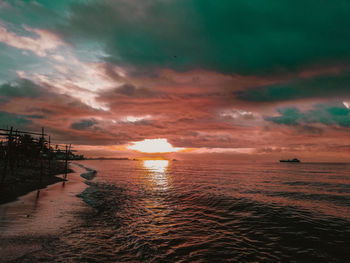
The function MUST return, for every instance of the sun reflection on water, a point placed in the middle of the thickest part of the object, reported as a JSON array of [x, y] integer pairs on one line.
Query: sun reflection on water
[[157, 169], [156, 166], [157, 181]]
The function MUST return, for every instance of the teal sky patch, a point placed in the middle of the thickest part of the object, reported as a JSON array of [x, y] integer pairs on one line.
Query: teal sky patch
[[13, 60], [10, 119], [21, 88], [326, 114]]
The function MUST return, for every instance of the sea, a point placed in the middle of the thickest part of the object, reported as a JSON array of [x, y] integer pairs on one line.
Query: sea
[[156, 210]]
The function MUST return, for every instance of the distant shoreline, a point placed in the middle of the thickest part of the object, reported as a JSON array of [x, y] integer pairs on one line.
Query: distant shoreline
[[108, 158]]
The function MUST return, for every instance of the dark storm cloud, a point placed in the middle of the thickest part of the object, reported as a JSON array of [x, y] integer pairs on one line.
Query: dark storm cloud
[[83, 124], [126, 89], [257, 36], [10, 119], [327, 114], [132, 91], [337, 86], [35, 116], [20, 88]]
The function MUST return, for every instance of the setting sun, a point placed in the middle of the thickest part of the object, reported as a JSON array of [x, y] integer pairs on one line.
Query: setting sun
[[154, 146]]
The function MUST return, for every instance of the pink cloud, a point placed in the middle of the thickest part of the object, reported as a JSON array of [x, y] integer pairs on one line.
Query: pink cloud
[[195, 109], [41, 45]]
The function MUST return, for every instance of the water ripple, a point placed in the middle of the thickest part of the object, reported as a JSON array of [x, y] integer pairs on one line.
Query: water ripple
[[202, 212]]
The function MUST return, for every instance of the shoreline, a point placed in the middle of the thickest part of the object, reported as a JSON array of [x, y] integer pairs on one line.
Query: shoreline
[[27, 179], [33, 221]]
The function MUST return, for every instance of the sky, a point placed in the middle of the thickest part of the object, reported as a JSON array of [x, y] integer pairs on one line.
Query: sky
[[244, 79]]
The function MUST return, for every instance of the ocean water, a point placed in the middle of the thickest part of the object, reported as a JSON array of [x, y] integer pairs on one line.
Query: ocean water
[[209, 211]]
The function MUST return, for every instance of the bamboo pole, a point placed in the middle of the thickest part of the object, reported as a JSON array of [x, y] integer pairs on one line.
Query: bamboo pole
[[10, 151], [49, 153], [12, 155], [6, 158], [24, 132], [16, 159], [66, 163], [41, 156]]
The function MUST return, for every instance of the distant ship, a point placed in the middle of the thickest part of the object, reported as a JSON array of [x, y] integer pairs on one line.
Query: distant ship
[[295, 160]]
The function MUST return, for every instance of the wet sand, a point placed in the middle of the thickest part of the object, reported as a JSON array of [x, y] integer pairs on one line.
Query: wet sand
[[27, 224]]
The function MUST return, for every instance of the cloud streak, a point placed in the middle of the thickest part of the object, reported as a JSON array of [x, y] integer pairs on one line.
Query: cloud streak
[[41, 44]]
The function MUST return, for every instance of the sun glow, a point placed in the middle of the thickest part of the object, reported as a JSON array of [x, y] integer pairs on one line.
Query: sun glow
[[154, 146]]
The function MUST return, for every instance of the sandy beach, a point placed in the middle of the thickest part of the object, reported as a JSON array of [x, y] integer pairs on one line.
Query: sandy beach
[[33, 220]]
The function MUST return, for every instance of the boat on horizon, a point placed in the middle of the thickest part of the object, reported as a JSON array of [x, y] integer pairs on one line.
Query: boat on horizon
[[295, 160]]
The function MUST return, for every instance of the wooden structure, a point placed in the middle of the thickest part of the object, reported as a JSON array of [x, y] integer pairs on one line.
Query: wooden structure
[[17, 146]]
